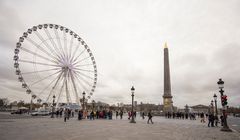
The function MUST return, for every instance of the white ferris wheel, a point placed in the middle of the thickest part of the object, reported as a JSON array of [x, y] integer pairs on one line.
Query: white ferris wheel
[[53, 61]]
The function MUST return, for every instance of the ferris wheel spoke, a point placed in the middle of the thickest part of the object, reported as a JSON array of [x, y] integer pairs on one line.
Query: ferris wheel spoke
[[39, 63], [55, 85], [83, 79], [80, 82], [74, 87], [45, 88], [46, 77], [70, 48], [81, 60], [32, 72], [84, 70], [74, 52], [84, 75], [75, 59], [45, 43], [65, 44], [83, 65], [33, 53], [40, 48], [53, 43], [59, 42], [60, 93]]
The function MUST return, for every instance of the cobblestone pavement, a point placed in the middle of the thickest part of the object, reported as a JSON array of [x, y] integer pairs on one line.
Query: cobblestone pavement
[[163, 129]]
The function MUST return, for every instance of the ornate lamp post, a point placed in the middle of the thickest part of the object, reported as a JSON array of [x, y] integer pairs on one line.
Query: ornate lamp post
[[93, 105], [31, 105], [212, 107], [132, 120], [225, 125], [215, 100], [83, 100], [52, 115]]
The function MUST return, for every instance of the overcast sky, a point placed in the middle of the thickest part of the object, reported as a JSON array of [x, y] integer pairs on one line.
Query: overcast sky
[[127, 39]]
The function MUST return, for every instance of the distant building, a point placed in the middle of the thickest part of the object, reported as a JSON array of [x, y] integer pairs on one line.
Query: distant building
[[200, 108], [135, 103]]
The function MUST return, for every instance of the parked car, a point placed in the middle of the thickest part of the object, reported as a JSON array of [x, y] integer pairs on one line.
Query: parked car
[[17, 112], [40, 113], [237, 115]]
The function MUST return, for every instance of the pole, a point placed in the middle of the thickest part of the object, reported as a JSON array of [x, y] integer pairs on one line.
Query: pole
[[132, 120], [83, 103], [31, 105], [216, 107], [225, 125], [52, 116]]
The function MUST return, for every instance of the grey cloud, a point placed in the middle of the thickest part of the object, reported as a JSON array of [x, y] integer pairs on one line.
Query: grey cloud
[[10, 24]]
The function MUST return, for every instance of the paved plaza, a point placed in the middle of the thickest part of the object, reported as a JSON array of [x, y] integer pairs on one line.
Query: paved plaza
[[45, 128]]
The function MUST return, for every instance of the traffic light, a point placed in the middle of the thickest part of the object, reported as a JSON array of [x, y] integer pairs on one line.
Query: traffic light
[[224, 100]]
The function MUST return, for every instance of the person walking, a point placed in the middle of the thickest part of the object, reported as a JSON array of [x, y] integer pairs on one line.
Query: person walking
[[116, 114], [216, 120], [79, 115], [143, 115], [129, 115], [149, 117], [211, 120], [202, 117], [121, 114], [65, 114], [92, 115]]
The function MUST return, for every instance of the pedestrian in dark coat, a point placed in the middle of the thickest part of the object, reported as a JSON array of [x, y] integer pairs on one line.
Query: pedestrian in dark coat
[[65, 114], [150, 117]]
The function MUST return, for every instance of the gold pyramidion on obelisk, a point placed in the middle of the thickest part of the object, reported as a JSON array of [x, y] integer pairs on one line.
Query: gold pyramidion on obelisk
[[165, 45]]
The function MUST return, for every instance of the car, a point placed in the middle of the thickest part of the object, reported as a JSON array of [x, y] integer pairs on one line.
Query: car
[[41, 113], [237, 115], [17, 112]]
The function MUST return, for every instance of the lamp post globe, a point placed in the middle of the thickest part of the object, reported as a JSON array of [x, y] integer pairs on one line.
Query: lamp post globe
[[132, 114], [220, 83], [215, 96]]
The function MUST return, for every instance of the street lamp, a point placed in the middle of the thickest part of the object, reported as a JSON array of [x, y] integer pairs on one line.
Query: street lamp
[[83, 99], [31, 105], [93, 105], [132, 120], [212, 107], [225, 125], [215, 100], [52, 115]]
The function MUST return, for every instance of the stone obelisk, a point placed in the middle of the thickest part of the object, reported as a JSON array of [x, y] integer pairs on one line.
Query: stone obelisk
[[167, 96]]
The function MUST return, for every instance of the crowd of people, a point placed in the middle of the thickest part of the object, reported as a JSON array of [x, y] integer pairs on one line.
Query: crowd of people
[[213, 120], [108, 114], [84, 114], [67, 113], [181, 115]]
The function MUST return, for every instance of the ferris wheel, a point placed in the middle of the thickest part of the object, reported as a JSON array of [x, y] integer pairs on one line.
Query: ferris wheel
[[52, 61]]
